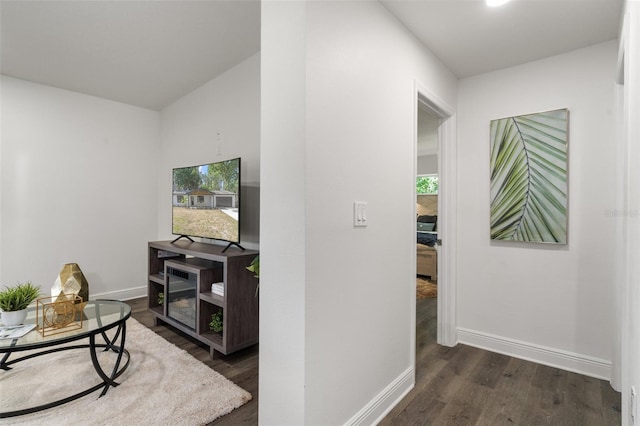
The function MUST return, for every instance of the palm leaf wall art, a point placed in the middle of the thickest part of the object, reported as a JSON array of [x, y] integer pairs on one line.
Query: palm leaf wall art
[[529, 177]]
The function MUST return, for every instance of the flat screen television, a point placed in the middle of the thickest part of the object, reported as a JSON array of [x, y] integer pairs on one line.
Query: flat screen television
[[206, 202]]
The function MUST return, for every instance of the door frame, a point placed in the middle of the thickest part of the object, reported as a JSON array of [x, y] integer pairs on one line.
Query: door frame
[[447, 210]]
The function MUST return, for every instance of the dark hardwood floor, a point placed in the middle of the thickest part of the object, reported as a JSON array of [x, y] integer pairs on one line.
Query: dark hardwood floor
[[469, 386], [454, 386]]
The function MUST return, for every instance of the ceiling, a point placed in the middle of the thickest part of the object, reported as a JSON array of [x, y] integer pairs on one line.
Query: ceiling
[[471, 38], [145, 53], [150, 53]]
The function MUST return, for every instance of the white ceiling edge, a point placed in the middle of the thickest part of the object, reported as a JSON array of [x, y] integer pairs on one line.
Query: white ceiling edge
[[151, 53]]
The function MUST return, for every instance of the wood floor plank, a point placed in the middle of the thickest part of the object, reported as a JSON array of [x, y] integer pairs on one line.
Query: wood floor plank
[[580, 401], [465, 360], [489, 370], [505, 406], [611, 404], [426, 414], [458, 414], [428, 407]]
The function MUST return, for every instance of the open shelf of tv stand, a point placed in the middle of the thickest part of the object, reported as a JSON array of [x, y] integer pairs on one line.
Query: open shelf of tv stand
[[204, 264]]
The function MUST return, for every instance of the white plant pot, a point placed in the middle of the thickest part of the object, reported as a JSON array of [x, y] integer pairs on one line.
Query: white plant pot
[[14, 317]]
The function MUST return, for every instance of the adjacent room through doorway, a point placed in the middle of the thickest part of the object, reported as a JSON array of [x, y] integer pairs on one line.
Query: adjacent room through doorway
[[426, 225]]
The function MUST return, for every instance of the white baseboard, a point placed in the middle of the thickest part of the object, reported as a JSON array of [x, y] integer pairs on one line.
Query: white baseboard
[[565, 360], [130, 293], [383, 403]]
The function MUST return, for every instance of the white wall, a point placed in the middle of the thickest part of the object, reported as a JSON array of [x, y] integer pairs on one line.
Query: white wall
[[428, 165], [218, 121], [553, 304], [78, 179], [282, 216], [88, 180], [352, 288]]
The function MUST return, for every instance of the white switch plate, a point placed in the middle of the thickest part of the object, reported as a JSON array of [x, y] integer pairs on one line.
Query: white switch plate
[[360, 219]]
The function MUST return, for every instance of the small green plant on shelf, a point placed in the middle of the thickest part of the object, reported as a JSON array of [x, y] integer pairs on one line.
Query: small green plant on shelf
[[160, 298], [18, 297], [216, 322], [254, 267]]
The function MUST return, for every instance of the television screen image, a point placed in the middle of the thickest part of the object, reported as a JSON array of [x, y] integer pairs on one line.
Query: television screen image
[[206, 201]]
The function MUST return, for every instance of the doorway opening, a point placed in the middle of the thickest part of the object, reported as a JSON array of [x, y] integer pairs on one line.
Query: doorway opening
[[427, 215], [435, 155]]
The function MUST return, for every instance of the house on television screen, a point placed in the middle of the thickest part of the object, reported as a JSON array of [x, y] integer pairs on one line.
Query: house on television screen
[[205, 199]]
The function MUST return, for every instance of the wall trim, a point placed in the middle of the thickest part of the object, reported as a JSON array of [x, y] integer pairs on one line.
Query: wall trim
[[126, 294], [383, 403], [558, 358], [447, 232]]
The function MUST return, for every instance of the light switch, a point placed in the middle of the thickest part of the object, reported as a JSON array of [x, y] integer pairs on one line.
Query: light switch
[[359, 214]]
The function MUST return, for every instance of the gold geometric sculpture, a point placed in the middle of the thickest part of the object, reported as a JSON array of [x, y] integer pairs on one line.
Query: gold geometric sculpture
[[70, 282]]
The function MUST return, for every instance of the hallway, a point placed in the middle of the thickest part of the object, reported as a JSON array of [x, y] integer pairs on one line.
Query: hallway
[[469, 386]]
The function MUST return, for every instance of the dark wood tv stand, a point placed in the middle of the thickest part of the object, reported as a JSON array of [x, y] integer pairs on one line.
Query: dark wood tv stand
[[199, 265]]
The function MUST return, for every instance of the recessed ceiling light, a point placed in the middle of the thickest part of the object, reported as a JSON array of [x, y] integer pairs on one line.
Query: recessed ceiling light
[[495, 3]]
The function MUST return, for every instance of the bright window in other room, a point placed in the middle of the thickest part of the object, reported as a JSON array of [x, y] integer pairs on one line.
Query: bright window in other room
[[427, 184]]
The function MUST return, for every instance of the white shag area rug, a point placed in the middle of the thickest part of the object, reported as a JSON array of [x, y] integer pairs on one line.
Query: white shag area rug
[[163, 385]]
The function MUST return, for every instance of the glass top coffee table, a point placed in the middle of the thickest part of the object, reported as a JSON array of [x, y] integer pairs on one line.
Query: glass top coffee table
[[99, 317]]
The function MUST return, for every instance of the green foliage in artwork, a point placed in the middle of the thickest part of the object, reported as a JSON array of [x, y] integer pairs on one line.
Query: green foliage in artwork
[[529, 178], [427, 184]]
